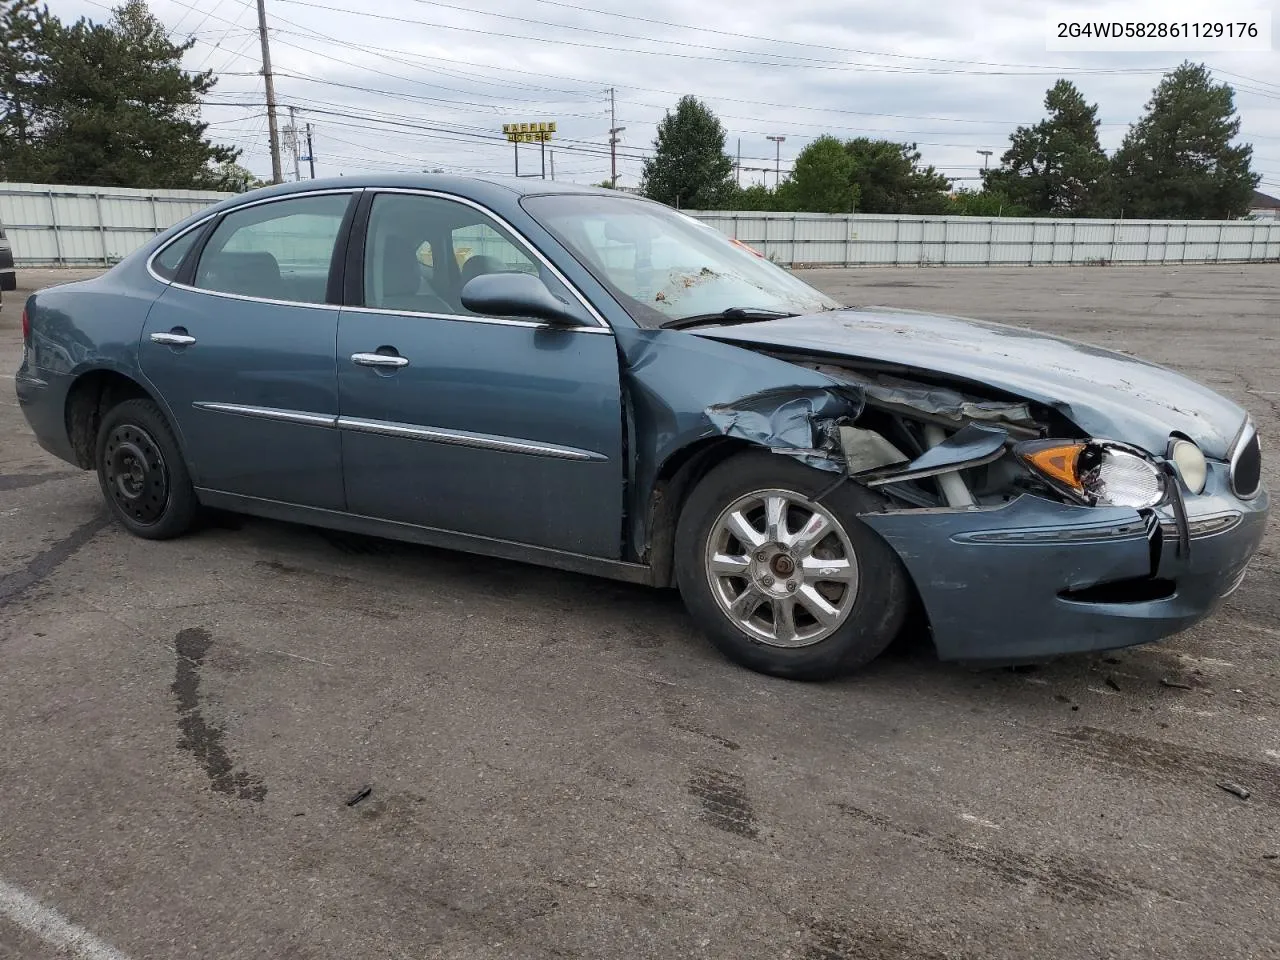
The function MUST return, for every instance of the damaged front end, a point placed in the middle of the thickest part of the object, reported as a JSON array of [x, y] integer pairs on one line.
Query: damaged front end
[[921, 445], [991, 499]]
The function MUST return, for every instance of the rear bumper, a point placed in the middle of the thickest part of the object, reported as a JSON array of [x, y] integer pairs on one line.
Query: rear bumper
[[1037, 579], [43, 401]]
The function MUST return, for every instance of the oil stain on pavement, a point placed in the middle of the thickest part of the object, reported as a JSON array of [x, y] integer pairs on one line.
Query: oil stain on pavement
[[44, 563], [202, 738]]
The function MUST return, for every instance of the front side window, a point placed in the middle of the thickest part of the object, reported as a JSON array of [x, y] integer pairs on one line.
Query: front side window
[[420, 251], [277, 251], [663, 265]]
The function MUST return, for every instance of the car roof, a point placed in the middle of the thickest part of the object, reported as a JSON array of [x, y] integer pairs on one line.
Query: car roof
[[450, 183]]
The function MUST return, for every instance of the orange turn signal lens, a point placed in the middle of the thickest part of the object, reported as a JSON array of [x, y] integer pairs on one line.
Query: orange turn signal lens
[[1059, 462]]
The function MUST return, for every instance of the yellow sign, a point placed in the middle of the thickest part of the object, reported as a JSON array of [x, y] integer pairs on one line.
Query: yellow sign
[[539, 132]]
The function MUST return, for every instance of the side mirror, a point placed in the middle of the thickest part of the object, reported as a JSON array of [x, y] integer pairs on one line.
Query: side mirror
[[519, 296]]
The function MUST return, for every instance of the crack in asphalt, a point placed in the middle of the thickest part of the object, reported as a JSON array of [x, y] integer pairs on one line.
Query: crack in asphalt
[[13, 585], [199, 736]]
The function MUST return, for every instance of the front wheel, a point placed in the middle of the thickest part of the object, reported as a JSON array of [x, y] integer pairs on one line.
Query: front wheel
[[784, 584], [142, 473]]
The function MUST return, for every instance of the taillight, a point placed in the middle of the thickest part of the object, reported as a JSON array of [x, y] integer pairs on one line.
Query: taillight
[[26, 326]]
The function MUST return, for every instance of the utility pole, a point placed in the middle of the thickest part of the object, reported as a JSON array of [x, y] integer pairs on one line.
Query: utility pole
[[311, 152], [737, 165], [986, 155], [614, 130], [777, 168], [291, 132], [269, 81]]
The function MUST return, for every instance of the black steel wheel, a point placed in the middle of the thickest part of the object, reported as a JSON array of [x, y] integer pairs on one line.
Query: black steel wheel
[[142, 473]]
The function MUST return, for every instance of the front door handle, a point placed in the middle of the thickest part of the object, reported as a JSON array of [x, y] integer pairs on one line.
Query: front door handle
[[173, 339], [379, 360]]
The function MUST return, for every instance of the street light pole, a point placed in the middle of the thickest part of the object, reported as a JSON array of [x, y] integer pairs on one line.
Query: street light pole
[[777, 163], [986, 155]]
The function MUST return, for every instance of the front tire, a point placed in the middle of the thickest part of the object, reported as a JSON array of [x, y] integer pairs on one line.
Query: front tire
[[142, 473], [783, 584]]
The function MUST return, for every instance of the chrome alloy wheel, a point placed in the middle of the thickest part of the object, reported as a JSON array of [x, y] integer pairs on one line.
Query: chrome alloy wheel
[[781, 568]]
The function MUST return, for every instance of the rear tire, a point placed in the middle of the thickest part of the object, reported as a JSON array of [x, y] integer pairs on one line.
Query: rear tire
[[142, 473], [782, 584]]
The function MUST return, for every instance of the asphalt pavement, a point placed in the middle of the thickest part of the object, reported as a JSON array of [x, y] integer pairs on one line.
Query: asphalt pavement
[[265, 741]]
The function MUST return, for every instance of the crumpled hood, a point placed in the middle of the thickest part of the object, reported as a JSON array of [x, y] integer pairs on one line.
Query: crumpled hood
[[1107, 394]]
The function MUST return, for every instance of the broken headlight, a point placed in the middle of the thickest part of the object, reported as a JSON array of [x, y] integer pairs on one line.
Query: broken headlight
[[1097, 472]]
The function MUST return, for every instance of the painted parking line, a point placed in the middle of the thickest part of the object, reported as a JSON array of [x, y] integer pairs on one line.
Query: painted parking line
[[57, 931]]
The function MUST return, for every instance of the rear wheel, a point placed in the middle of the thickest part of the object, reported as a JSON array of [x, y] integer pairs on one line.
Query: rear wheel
[[142, 473], [782, 583]]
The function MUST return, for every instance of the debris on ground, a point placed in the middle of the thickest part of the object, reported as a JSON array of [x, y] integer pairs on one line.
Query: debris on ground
[[1176, 684], [1111, 682], [1234, 788], [361, 795]]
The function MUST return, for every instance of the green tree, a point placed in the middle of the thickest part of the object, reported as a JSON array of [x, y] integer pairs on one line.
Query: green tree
[[985, 203], [689, 168], [22, 64], [822, 179], [1178, 160], [122, 112], [229, 175], [889, 179], [1056, 167], [755, 197]]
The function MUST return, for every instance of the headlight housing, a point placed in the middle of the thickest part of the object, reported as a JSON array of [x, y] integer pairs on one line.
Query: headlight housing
[[1191, 464], [1098, 472]]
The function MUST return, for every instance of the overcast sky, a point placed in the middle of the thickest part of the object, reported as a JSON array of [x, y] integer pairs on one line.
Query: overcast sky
[[418, 84]]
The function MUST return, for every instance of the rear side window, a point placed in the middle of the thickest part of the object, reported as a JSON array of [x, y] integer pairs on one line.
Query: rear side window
[[170, 259], [275, 251]]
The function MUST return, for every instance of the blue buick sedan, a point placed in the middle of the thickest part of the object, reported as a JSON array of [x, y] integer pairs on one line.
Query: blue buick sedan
[[591, 381]]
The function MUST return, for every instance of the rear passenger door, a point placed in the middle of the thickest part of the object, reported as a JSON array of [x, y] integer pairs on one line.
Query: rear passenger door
[[241, 346]]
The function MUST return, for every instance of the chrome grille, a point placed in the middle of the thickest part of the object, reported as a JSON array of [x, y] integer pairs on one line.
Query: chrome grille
[[1246, 463]]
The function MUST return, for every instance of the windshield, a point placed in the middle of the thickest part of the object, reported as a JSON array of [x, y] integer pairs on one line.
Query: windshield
[[663, 265]]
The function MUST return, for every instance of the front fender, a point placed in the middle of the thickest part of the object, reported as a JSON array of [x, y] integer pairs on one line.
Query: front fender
[[680, 390]]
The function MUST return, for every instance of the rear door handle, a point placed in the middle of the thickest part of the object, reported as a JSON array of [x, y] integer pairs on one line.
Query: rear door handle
[[379, 360], [173, 339]]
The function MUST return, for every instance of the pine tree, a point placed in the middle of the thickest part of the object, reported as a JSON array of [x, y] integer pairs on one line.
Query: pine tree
[[1056, 167], [689, 168], [22, 65], [1178, 161], [122, 111], [889, 179]]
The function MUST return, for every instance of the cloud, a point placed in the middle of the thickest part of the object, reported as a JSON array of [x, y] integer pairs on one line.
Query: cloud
[[404, 84]]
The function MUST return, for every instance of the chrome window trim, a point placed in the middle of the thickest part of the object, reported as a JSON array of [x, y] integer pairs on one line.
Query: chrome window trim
[[270, 413], [1247, 432], [464, 438], [602, 325], [240, 206], [520, 239], [534, 324], [241, 296]]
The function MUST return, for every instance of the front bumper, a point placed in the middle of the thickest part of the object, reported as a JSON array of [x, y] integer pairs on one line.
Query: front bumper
[[1036, 579]]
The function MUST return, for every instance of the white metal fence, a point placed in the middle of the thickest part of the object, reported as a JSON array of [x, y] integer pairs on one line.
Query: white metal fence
[[53, 225], [816, 239]]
